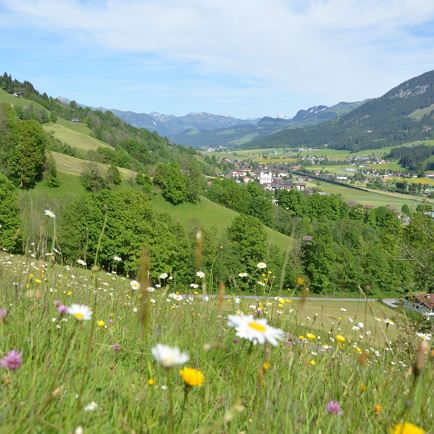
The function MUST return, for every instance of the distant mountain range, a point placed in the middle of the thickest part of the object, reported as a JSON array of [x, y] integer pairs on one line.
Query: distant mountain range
[[207, 129], [404, 114]]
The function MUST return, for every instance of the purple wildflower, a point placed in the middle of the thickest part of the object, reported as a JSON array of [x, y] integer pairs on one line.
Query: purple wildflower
[[116, 347], [3, 313], [333, 407], [12, 360], [62, 309]]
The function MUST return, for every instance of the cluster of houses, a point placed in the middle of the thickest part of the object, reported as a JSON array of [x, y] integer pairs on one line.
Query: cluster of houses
[[269, 179]]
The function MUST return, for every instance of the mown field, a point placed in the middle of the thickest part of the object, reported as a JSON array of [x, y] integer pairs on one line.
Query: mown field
[[96, 369], [76, 166], [74, 137], [368, 197]]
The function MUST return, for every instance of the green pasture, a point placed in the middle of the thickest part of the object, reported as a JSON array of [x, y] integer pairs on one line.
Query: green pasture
[[368, 197], [74, 138], [19, 101], [210, 216]]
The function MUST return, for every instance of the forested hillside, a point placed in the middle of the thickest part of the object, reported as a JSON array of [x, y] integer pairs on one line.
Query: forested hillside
[[134, 147], [403, 114], [416, 158]]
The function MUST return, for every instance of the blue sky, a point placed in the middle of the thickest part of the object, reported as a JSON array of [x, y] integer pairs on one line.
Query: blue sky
[[246, 58]]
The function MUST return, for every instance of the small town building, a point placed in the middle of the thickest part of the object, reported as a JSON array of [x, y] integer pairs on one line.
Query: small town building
[[265, 178]]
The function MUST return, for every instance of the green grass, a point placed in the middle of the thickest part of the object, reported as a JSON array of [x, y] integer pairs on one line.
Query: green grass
[[79, 127], [338, 169], [69, 185], [420, 113], [69, 364], [75, 166], [210, 216], [390, 165], [74, 138], [368, 197], [19, 101]]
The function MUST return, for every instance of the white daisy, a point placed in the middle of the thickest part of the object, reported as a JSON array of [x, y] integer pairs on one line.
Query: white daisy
[[81, 262], [168, 356], [255, 330], [424, 336], [200, 274], [92, 406], [80, 312], [117, 258], [261, 265], [135, 285], [50, 214], [163, 276], [194, 285], [242, 274]]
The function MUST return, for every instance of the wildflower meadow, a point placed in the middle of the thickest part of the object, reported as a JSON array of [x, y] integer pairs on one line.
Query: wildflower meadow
[[92, 352]]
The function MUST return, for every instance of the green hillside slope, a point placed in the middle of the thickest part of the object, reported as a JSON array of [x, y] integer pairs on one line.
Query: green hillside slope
[[19, 101], [210, 215], [73, 137]]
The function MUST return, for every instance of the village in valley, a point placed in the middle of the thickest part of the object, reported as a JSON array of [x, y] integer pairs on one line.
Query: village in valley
[[303, 169]]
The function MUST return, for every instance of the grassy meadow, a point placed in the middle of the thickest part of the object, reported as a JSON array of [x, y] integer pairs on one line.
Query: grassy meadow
[[328, 372], [205, 214], [368, 197], [211, 216], [75, 166], [19, 101], [77, 138]]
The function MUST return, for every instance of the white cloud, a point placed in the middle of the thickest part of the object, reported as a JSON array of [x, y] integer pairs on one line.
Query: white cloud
[[331, 49]]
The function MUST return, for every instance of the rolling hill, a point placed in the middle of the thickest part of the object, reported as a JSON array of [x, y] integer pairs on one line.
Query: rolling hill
[[78, 136], [404, 114]]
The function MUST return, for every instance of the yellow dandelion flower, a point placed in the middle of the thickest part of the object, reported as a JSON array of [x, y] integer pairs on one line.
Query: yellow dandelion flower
[[38, 281], [192, 377], [300, 281], [406, 428], [312, 363], [100, 323], [69, 293], [377, 409], [266, 366], [311, 336], [302, 338], [340, 339], [152, 381]]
